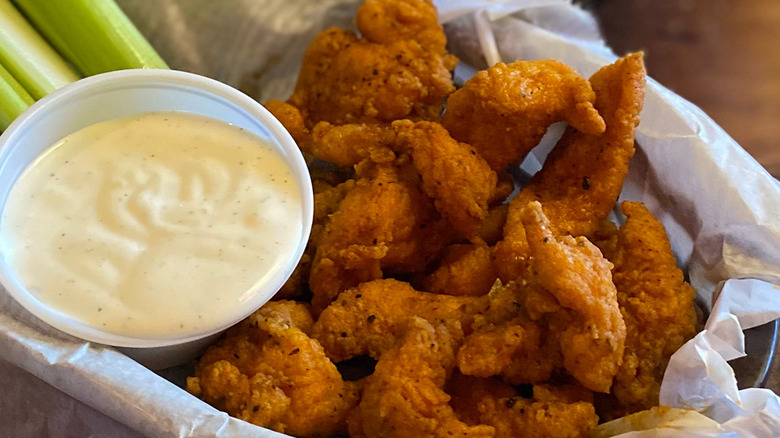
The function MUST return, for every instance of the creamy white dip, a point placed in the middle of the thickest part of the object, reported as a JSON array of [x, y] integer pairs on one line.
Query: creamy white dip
[[153, 225]]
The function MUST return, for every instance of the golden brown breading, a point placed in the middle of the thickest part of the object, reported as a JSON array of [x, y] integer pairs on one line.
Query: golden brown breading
[[583, 175], [551, 413], [388, 21], [388, 75], [657, 305], [506, 342], [347, 145], [327, 199], [462, 270], [590, 326], [404, 397], [292, 120], [269, 372], [505, 110], [381, 223], [458, 180], [370, 318]]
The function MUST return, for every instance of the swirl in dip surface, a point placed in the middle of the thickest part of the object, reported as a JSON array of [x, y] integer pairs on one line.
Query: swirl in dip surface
[[154, 225]]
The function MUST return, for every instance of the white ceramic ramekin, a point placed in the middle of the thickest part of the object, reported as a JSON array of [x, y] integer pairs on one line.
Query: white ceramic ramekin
[[124, 93]]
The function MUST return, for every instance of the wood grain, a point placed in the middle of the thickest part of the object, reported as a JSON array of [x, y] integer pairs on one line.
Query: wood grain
[[722, 55]]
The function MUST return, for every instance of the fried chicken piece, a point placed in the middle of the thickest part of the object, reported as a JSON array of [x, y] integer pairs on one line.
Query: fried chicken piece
[[657, 306], [462, 270], [291, 119], [370, 318], [405, 397], [590, 326], [506, 342], [458, 180], [399, 74], [551, 413], [505, 110], [384, 222], [348, 145], [327, 199], [388, 21], [269, 372], [583, 175]]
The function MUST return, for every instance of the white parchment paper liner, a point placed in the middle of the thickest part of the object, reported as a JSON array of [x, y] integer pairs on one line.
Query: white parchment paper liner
[[720, 208]]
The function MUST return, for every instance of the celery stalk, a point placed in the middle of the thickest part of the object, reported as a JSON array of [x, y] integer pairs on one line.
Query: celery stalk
[[14, 99], [94, 35], [28, 57]]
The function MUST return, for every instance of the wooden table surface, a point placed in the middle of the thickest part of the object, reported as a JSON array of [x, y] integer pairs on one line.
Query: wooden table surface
[[722, 55]]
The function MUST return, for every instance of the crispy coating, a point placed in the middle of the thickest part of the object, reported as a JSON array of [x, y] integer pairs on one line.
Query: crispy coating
[[506, 342], [370, 318], [463, 270], [657, 305], [269, 372], [505, 110], [382, 222], [347, 145], [458, 180], [405, 397], [551, 413], [590, 326], [327, 199], [390, 74], [388, 21], [583, 175], [292, 120]]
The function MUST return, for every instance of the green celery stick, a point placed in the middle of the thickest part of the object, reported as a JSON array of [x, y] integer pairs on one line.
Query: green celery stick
[[27, 56], [94, 35]]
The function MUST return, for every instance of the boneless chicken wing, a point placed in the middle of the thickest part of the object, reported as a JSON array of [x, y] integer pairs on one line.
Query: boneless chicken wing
[[269, 372], [657, 306], [505, 110], [591, 328], [370, 318], [458, 180], [388, 74], [384, 222], [552, 412], [583, 175], [404, 397]]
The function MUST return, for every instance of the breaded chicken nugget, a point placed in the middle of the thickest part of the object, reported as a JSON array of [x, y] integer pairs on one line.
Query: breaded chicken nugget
[[404, 397], [389, 74], [458, 180], [506, 342], [657, 306], [505, 110], [269, 372], [551, 413], [388, 21], [382, 217], [292, 120], [370, 318], [348, 145], [463, 270], [583, 175], [590, 326]]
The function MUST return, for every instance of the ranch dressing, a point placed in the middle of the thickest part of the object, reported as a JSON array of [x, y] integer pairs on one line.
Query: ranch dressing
[[154, 225]]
